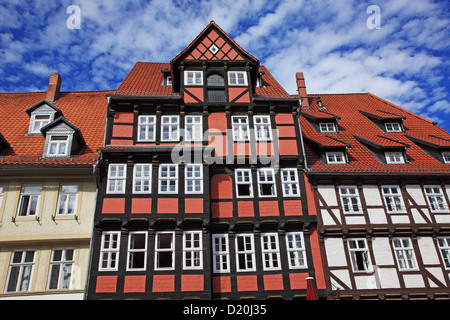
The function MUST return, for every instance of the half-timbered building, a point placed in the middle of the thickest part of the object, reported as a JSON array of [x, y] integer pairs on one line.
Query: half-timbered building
[[202, 189], [380, 179]]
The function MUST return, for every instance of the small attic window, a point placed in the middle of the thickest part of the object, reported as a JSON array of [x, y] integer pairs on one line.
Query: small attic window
[[327, 127], [58, 146], [394, 157], [37, 121], [393, 127], [167, 81], [446, 156]]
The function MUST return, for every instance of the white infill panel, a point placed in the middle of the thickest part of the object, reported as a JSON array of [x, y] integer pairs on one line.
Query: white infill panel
[[335, 252]]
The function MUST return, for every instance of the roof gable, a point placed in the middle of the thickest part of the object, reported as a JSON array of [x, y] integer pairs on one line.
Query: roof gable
[[44, 106]]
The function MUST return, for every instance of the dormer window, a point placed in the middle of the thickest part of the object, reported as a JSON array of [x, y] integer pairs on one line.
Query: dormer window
[[41, 114], [393, 127], [38, 121], [394, 157], [446, 156], [237, 78], [193, 78], [327, 127], [167, 81], [58, 146], [336, 157]]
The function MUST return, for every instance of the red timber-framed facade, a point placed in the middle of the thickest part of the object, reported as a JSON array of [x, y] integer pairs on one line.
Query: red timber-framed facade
[[202, 188], [380, 179]]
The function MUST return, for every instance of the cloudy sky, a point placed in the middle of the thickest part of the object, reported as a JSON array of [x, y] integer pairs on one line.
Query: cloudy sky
[[337, 44]]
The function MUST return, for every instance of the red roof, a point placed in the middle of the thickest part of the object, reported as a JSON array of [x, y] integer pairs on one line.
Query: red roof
[[357, 116], [85, 110], [146, 79]]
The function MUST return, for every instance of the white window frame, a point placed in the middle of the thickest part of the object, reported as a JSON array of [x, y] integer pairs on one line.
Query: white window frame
[[111, 252], [172, 126], [393, 127], [394, 157], [168, 179], [404, 254], [435, 198], [221, 253], [192, 253], [333, 157], [240, 127], [240, 179], [237, 78], [58, 141], [64, 268], [25, 275], [65, 198], [146, 127], [358, 249], [263, 128], [195, 123], [140, 180], [32, 196], [446, 156], [41, 122], [393, 200], [170, 250], [270, 251], [247, 254], [444, 250], [327, 127], [2, 191], [193, 180], [197, 78], [290, 183], [131, 251], [295, 248], [116, 179], [349, 200], [266, 176]]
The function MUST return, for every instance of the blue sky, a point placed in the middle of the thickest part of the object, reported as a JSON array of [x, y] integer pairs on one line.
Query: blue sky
[[405, 61]]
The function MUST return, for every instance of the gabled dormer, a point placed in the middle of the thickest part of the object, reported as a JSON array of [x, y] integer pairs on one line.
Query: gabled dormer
[[41, 114], [62, 138], [215, 69]]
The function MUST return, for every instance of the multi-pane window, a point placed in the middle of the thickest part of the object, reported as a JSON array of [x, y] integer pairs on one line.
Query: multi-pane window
[[38, 121], [245, 252], [240, 128], [168, 178], [393, 199], [109, 251], [435, 198], [266, 183], [117, 174], [67, 202], [170, 128], [350, 199], [359, 255], [193, 78], [289, 180], [394, 157], [142, 178], [192, 250], [194, 128], [237, 78], [221, 253], [137, 251], [146, 128], [446, 156], [335, 157], [20, 270], [29, 201], [393, 127], [263, 130], [444, 249], [270, 251], [58, 146], [194, 178], [296, 250], [404, 253], [244, 187], [61, 266], [327, 127], [164, 251]]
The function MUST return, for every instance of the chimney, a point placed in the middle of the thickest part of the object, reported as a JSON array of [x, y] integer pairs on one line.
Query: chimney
[[301, 88], [54, 86]]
